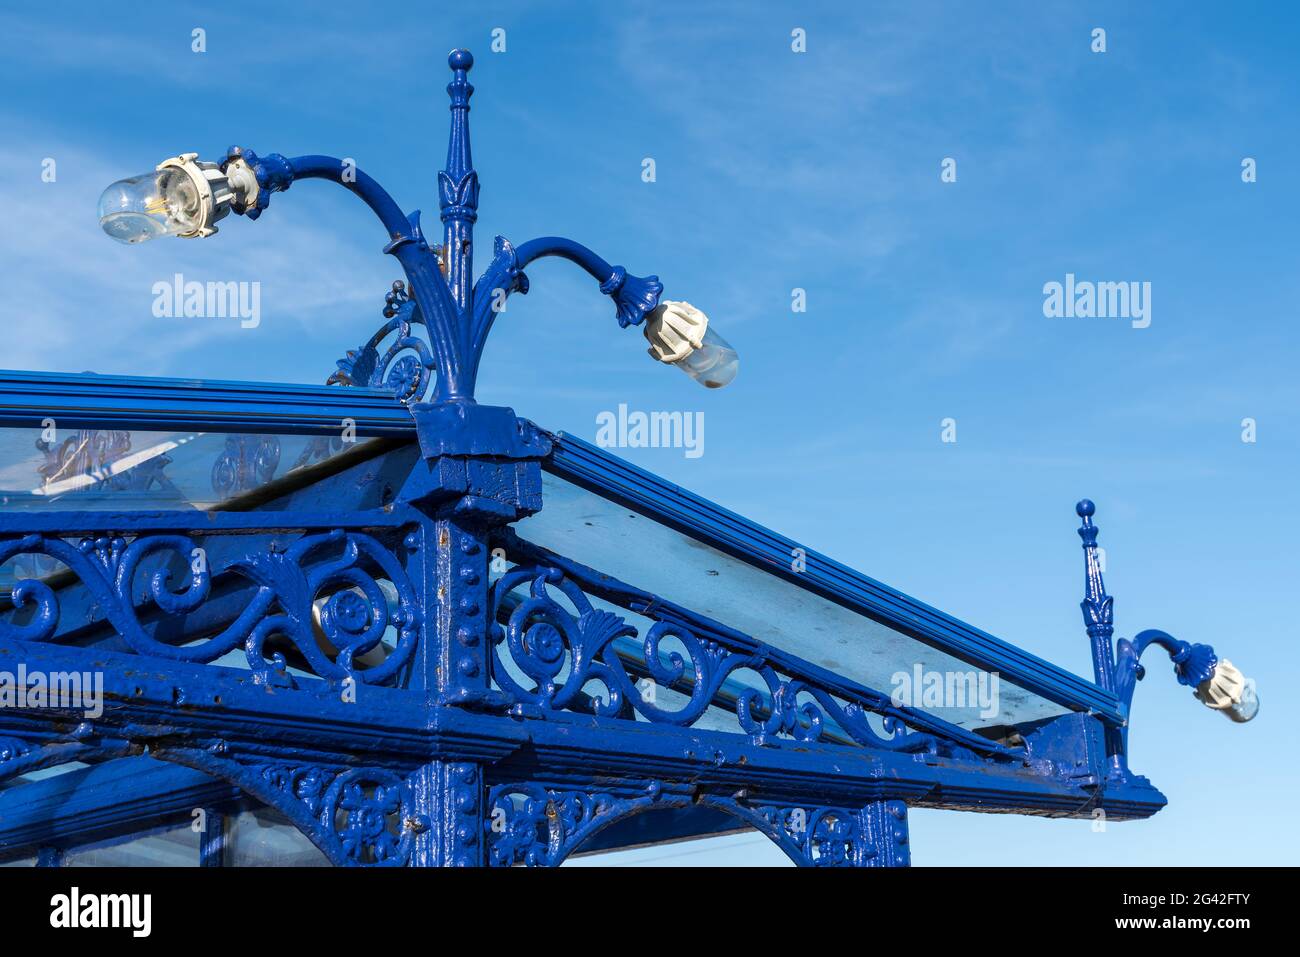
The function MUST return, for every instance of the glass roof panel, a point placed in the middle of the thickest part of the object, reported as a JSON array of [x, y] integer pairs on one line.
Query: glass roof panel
[[649, 555], [122, 470]]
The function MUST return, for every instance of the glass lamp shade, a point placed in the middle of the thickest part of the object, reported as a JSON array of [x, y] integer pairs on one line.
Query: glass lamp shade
[[166, 202], [682, 335], [1247, 707], [714, 364], [1229, 691]]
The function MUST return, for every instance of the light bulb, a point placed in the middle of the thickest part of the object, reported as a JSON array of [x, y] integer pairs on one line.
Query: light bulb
[[682, 335], [183, 197], [165, 202], [1247, 707], [713, 364]]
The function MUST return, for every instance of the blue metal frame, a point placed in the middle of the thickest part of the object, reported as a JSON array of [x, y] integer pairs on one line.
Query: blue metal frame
[[357, 667], [139, 402]]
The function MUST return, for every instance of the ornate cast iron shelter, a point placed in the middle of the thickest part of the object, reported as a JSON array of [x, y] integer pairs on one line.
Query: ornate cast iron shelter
[[376, 623]]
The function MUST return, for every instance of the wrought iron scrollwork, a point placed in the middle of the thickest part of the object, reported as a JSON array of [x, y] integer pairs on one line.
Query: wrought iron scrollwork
[[337, 573], [534, 826], [406, 366], [815, 836], [357, 816], [825, 837], [363, 813], [561, 650]]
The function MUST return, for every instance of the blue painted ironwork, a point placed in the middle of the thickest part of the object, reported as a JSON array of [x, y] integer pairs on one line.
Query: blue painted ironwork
[[1098, 607], [339, 568], [357, 816], [1117, 667], [49, 857], [439, 297], [216, 406], [1194, 664], [340, 650], [212, 838], [544, 641], [141, 402], [536, 826]]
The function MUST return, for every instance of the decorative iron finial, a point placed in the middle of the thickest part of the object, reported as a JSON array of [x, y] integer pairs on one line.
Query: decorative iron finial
[[458, 184], [1098, 611]]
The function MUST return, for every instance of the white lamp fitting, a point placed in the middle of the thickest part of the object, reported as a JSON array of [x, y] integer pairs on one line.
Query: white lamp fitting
[[1229, 691], [184, 196], [681, 335]]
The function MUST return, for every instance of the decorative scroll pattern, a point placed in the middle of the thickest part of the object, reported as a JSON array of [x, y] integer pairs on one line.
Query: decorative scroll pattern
[[335, 574], [357, 816], [535, 826], [364, 815], [531, 825], [406, 366], [872, 836], [561, 652], [824, 836]]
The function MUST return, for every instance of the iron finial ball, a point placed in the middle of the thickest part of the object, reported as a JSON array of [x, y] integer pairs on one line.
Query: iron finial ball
[[1085, 508], [460, 59]]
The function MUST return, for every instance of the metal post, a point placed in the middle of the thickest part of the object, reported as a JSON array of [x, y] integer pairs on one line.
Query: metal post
[[884, 825], [458, 185], [452, 560], [1099, 620], [212, 839], [49, 857], [1098, 610]]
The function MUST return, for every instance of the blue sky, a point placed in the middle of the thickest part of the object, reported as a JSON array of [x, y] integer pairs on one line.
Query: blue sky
[[775, 171]]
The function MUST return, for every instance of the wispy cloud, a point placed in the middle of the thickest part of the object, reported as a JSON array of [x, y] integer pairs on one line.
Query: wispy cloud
[[76, 300]]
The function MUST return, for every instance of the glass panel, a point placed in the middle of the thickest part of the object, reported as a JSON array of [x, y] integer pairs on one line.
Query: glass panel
[[90, 469], [648, 555], [176, 847], [264, 838]]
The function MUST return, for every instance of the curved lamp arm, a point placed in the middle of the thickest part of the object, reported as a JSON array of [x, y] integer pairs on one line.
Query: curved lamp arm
[[276, 173], [1216, 682], [634, 296]]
